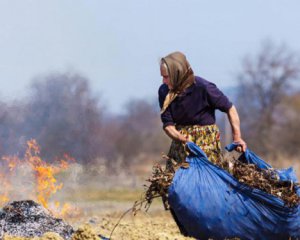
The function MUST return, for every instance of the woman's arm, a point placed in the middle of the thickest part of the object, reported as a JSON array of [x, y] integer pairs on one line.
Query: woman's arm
[[172, 132], [235, 126]]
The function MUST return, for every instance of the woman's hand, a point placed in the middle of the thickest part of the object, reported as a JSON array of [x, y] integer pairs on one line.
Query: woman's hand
[[242, 146], [173, 133]]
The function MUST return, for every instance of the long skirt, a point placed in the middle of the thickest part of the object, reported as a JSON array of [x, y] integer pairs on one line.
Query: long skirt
[[206, 137]]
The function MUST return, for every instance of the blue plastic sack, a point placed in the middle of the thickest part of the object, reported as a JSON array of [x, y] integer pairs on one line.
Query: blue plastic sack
[[207, 202]]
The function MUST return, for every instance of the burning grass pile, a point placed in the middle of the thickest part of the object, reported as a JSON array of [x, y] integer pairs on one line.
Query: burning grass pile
[[249, 174], [29, 219]]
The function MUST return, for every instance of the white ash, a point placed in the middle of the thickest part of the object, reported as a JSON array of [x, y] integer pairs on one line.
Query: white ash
[[30, 219]]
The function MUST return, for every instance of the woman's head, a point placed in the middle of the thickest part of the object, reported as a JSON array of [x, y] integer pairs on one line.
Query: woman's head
[[176, 72]]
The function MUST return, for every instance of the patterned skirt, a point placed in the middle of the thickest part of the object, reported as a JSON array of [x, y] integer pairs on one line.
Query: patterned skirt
[[206, 137]]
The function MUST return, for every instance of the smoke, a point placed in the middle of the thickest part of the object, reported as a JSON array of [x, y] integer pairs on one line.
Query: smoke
[[18, 183]]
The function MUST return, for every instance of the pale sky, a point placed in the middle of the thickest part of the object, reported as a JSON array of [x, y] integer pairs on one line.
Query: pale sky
[[118, 44]]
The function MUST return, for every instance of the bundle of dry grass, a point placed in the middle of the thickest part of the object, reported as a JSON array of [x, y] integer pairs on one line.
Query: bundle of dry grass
[[266, 180]]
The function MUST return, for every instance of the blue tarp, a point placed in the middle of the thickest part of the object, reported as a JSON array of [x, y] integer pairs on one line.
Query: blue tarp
[[208, 202]]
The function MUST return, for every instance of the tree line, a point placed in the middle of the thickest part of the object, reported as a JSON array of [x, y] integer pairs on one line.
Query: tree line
[[65, 118], [63, 115]]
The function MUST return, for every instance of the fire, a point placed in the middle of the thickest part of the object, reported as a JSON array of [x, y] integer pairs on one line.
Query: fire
[[7, 172], [66, 210], [45, 183]]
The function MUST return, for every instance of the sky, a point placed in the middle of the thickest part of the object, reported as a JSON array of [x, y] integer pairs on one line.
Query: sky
[[117, 44]]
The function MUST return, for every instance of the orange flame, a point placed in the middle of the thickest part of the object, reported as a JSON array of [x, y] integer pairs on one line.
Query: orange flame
[[44, 173], [7, 171], [5, 189], [45, 182], [67, 210]]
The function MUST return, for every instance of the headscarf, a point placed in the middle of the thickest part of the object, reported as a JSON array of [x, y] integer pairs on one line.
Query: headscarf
[[181, 76]]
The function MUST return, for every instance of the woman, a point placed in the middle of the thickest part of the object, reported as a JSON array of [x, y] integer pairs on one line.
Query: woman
[[188, 105]]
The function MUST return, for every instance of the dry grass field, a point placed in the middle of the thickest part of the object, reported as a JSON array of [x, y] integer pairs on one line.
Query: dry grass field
[[97, 201], [103, 212]]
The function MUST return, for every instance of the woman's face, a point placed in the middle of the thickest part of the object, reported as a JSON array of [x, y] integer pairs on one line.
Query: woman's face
[[165, 75]]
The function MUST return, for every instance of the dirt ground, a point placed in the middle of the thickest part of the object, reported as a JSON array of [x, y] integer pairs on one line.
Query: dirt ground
[[156, 224]]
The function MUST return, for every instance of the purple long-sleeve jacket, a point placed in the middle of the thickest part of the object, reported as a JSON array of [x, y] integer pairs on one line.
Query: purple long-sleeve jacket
[[195, 106]]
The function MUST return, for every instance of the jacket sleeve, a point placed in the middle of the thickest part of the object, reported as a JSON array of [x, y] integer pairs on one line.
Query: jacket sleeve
[[166, 118], [217, 99]]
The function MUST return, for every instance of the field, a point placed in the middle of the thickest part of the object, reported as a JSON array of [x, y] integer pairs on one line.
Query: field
[[97, 201], [104, 199], [101, 210]]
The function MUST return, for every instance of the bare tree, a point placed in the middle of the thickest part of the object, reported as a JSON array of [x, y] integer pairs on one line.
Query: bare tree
[[11, 120], [264, 81], [287, 132], [140, 131], [64, 117]]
